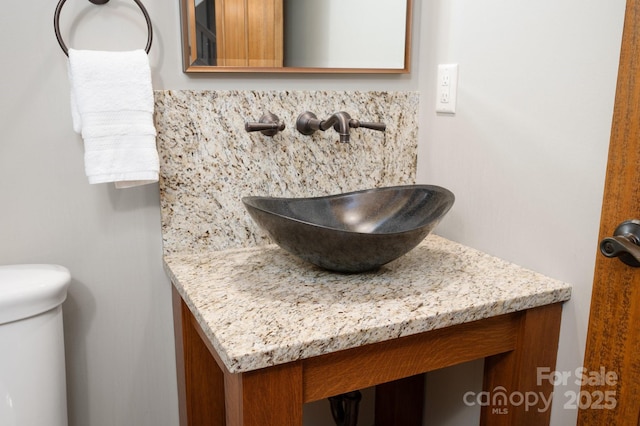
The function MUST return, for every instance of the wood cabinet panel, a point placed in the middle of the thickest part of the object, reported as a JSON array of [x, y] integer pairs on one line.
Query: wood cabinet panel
[[249, 33]]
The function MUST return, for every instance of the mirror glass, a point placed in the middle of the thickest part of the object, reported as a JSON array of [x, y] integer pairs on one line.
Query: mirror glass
[[367, 36]]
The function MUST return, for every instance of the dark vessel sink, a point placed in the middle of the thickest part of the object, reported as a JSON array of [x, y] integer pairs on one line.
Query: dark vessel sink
[[356, 231]]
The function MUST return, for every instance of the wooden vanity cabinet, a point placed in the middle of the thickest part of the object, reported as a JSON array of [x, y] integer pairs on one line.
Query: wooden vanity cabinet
[[514, 346]]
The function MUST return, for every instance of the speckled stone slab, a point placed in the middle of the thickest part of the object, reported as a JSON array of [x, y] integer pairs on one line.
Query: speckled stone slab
[[261, 306], [208, 162]]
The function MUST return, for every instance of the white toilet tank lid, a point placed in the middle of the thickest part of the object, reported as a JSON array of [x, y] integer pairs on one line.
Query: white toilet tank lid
[[28, 290]]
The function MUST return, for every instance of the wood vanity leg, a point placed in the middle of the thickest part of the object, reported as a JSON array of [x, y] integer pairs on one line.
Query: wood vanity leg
[[210, 395], [200, 380], [267, 397], [516, 396], [400, 402]]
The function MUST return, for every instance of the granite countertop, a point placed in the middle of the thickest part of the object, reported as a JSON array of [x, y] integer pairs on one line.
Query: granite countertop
[[261, 306]]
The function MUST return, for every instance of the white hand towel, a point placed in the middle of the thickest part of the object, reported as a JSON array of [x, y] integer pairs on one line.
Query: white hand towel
[[112, 106]]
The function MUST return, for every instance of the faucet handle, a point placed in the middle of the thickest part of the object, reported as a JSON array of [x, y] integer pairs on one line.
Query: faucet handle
[[353, 123], [268, 125]]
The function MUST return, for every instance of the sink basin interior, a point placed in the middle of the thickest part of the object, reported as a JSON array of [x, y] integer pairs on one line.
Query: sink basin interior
[[356, 231]]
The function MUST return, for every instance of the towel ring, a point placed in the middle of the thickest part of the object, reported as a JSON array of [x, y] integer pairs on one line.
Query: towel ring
[[56, 23]]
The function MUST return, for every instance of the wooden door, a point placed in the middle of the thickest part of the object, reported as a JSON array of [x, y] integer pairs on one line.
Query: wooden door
[[610, 394], [250, 33]]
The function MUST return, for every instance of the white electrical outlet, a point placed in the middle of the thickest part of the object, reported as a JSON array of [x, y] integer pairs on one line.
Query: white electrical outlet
[[447, 88]]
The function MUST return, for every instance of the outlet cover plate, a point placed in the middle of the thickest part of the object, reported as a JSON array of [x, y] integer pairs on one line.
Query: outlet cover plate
[[447, 90]]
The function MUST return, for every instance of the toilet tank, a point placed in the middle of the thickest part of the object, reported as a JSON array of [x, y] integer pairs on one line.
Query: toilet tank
[[32, 365]]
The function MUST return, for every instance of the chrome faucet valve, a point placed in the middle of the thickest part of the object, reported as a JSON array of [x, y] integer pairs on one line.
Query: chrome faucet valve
[[269, 125]]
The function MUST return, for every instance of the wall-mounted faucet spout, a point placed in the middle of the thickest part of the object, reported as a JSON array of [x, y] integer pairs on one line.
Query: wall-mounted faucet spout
[[340, 122], [307, 123]]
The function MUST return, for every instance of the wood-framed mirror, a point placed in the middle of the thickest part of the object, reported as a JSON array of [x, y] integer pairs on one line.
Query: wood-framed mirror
[[300, 36]]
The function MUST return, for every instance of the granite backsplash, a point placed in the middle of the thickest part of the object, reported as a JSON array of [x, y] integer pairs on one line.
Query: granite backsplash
[[208, 162]]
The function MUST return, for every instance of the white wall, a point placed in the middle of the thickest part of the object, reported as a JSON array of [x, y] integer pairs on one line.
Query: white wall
[[526, 166], [526, 152]]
